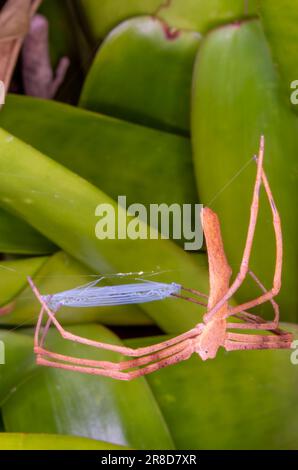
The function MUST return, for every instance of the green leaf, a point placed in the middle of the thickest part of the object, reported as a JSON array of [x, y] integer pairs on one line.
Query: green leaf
[[19, 238], [142, 73], [100, 17], [198, 15], [18, 361], [201, 16], [240, 400], [65, 402], [20, 441], [62, 205], [59, 273], [96, 146], [13, 276], [236, 98], [280, 23]]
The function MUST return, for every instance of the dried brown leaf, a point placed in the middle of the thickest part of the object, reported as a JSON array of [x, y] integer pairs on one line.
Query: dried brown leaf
[[14, 19], [14, 23]]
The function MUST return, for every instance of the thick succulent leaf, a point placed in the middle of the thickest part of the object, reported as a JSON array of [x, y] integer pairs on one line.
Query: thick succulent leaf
[[62, 205], [240, 400], [198, 15], [60, 272], [236, 98], [137, 52], [280, 21], [100, 17], [65, 402], [21, 441], [96, 146], [18, 364], [19, 238], [13, 276]]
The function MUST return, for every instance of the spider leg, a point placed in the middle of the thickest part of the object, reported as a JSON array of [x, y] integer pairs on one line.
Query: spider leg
[[251, 325], [47, 326], [6, 309], [123, 365], [38, 326], [113, 347], [254, 322], [190, 299], [174, 359], [268, 295], [249, 239], [260, 339], [45, 331], [236, 342], [195, 291], [265, 325]]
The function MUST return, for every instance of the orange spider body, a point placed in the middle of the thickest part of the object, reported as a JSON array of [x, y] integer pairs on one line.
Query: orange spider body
[[212, 337], [205, 338]]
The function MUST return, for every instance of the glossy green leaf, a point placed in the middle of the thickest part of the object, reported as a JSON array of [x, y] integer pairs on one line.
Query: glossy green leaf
[[100, 17], [96, 146], [142, 73], [198, 15], [18, 361], [61, 272], [21, 441], [65, 402], [13, 276], [280, 21], [201, 16], [236, 98], [62, 205], [240, 400], [19, 238]]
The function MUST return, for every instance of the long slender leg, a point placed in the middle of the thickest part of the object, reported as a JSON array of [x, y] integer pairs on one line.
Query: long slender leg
[[190, 299], [111, 347], [254, 322], [46, 328], [274, 304], [129, 351], [248, 325], [183, 355], [243, 345], [123, 365], [6, 309], [260, 339], [195, 291], [265, 325], [38, 325], [45, 331], [279, 250], [249, 239]]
